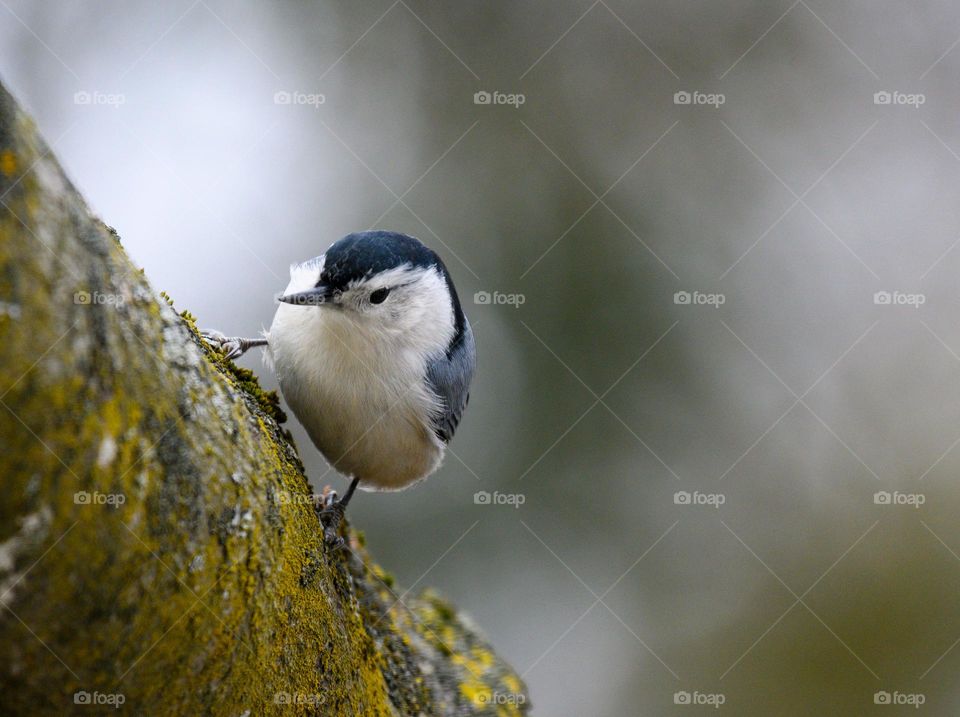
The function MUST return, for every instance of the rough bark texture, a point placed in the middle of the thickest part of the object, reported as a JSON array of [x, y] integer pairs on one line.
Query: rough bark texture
[[157, 545]]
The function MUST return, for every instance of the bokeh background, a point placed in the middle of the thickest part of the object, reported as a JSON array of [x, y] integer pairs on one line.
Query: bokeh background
[[781, 399]]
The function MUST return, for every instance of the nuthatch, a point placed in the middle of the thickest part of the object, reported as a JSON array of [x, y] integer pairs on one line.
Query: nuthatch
[[374, 356]]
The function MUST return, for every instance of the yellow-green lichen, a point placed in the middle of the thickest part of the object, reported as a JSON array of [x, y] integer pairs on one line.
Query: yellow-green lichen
[[8, 163]]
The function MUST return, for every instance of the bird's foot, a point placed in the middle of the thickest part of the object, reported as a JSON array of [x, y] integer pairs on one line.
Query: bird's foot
[[232, 347], [331, 511]]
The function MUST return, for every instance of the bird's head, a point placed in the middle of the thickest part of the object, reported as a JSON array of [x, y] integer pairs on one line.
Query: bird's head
[[384, 282]]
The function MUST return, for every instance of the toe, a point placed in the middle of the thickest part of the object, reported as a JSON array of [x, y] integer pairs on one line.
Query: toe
[[212, 335]]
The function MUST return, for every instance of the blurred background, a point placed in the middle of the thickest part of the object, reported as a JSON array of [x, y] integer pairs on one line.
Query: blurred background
[[709, 250]]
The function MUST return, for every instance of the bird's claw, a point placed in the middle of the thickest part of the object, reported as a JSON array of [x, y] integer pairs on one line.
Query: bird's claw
[[331, 515], [230, 347]]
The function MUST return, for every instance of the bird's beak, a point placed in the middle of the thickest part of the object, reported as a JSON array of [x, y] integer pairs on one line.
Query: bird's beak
[[316, 296]]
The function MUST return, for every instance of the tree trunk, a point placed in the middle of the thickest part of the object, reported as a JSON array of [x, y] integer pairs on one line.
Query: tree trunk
[[159, 552]]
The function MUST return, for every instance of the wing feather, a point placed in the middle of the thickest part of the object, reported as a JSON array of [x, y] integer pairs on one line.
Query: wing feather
[[449, 377]]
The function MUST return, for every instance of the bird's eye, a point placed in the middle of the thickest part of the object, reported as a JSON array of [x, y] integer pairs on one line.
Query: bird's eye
[[379, 296]]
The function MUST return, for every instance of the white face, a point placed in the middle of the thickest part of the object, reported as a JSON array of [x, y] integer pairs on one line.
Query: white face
[[407, 305]]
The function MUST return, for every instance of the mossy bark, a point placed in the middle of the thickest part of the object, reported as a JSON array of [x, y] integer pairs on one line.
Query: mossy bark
[[158, 549]]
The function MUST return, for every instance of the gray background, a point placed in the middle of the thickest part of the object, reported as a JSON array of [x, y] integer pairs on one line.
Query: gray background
[[600, 397]]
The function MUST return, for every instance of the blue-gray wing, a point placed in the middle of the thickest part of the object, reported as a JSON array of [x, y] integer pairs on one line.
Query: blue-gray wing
[[450, 376]]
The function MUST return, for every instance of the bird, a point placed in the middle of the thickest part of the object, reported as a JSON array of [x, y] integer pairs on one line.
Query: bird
[[375, 356]]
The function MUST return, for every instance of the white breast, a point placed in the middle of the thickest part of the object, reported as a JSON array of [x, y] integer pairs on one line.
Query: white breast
[[361, 398]]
